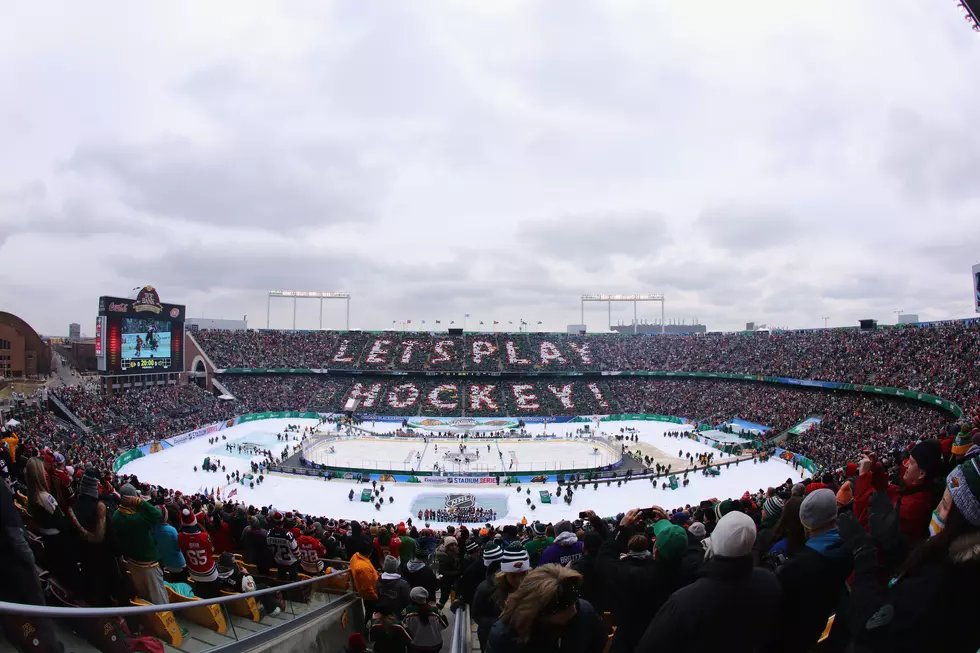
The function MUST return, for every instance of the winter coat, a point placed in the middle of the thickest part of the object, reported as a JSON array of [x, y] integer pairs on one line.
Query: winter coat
[[928, 609], [536, 547], [425, 634], [133, 526], [449, 565], [636, 589], [407, 550], [427, 543], [469, 580], [813, 583], [565, 549], [388, 638], [592, 589], [395, 591], [171, 556], [583, 634], [709, 614], [364, 577], [691, 561], [256, 550], [356, 539], [914, 504], [419, 574], [485, 610]]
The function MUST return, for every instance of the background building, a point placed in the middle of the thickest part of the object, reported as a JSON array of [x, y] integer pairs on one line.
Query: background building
[[74, 331], [22, 352]]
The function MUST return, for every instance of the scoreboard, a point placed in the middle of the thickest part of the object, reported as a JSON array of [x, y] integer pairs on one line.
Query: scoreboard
[[139, 336]]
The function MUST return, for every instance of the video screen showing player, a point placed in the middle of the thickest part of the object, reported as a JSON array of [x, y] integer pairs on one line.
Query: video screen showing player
[[145, 338]]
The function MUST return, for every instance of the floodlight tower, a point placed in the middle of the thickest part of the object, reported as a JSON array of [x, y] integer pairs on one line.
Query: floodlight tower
[[307, 294], [609, 299]]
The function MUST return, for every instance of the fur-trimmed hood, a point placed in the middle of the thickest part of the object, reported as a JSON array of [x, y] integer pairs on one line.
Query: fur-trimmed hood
[[965, 549]]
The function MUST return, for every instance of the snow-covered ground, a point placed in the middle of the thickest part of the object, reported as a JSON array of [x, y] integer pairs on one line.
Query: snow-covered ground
[[173, 467]]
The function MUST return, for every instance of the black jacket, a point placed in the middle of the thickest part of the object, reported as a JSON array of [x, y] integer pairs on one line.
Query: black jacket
[[691, 561], [592, 589], [718, 612], [635, 588], [813, 583], [419, 574], [929, 609], [583, 634], [485, 610], [469, 580]]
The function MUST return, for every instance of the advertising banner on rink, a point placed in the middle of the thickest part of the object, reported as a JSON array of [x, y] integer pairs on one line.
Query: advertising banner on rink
[[460, 480]]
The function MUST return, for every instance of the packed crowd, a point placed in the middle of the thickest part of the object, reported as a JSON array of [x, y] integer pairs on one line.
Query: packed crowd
[[939, 359], [147, 413], [887, 546]]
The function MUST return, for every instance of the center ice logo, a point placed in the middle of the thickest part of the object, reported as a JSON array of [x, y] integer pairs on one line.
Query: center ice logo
[[454, 501]]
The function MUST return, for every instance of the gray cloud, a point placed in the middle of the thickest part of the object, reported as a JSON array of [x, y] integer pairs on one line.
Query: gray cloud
[[250, 184]]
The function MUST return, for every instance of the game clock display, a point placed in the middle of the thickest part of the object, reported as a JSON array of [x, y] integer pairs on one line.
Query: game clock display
[[142, 336]]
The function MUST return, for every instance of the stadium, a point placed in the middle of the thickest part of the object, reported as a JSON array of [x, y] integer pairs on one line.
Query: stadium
[[512, 473]]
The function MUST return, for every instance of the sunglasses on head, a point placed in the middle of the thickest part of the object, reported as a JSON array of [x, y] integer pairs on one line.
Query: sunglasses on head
[[566, 595]]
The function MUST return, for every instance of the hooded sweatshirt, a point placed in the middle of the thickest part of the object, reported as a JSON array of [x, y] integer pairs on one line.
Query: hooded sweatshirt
[[419, 574], [566, 548], [396, 590]]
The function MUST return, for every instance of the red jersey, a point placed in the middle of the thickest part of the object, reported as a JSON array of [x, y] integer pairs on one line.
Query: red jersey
[[393, 548], [310, 552], [199, 554]]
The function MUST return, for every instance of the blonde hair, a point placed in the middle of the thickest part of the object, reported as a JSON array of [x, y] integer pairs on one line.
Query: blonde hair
[[37, 480], [535, 593]]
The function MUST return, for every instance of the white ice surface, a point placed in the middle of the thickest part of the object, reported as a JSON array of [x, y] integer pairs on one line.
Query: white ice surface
[[173, 468]]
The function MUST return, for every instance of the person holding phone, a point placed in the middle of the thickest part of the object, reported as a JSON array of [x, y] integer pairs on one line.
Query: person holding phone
[[639, 574]]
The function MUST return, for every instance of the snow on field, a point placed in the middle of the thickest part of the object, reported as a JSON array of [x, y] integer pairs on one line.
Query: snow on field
[[173, 468]]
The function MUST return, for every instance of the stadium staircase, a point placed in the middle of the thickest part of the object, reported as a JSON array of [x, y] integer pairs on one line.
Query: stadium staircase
[[67, 414], [315, 617]]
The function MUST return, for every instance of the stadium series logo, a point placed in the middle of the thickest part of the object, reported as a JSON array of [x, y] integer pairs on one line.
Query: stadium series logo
[[147, 300], [464, 422]]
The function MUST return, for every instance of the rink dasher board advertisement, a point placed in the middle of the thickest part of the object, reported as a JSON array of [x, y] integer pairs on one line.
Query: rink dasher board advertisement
[[459, 480]]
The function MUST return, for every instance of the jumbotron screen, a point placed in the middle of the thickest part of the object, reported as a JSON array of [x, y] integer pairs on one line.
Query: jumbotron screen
[[141, 335]]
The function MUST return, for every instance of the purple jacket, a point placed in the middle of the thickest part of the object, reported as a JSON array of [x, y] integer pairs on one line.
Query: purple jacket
[[566, 549]]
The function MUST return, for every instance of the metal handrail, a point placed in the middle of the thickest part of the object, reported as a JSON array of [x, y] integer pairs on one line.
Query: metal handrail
[[461, 631], [48, 611]]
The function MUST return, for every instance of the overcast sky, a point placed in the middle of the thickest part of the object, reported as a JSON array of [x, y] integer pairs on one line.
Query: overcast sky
[[769, 161]]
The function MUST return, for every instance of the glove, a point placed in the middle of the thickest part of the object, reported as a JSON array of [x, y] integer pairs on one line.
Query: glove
[[883, 520], [456, 605], [854, 535]]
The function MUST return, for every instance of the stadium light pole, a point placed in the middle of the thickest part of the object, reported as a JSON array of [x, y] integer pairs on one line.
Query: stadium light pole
[[825, 319], [296, 295], [609, 299]]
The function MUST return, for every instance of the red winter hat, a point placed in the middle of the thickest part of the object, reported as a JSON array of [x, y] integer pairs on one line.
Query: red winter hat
[[813, 487], [187, 518], [851, 469], [277, 517], [356, 643]]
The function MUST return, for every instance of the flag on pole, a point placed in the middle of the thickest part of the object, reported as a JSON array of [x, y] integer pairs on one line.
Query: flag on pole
[[438, 322], [481, 321], [539, 322], [495, 322], [467, 315], [392, 321], [510, 321], [233, 493], [409, 322], [452, 321], [423, 321]]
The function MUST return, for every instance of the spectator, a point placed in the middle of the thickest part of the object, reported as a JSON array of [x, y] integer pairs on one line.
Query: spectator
[[133, 524], [700, 617], [592, 590], [772, 510], [256, 550], [693, 556], [639, 580], [419, 574], [364, 578], [447, 557], [392, 588], [538, 542], [911, 612], [168, 541], [546, 615], [913, 501], [491, 595], [566, 547], [90, 518], [814, 581], [788, 535], [386, 630], [424, 623]]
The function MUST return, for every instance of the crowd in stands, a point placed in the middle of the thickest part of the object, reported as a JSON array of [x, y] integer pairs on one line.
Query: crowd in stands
[[939, 359], [888, 545]]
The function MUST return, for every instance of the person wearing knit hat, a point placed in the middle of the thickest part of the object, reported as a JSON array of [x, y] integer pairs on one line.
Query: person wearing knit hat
[[515, 559], [845, 495], [356, 644], [392, 589], [819, 508], [915, 493], [722, 508], [772, 508], [733, 536], [89, 485], [472, 545], [448, 561], [536, 546], [492, 552], [697, 530], [670, 540], [424, 622]]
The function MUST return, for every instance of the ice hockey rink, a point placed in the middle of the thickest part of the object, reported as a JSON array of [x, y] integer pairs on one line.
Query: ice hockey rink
[[174, 468]]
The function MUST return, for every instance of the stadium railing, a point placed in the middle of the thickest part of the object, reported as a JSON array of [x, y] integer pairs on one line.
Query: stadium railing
[[462, 632], [184, 625]]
